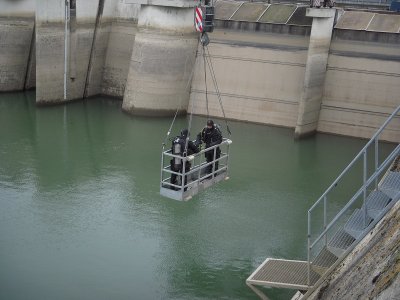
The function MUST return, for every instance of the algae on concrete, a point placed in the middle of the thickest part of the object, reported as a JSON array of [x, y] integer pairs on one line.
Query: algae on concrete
[[250, 12], [278, 14]]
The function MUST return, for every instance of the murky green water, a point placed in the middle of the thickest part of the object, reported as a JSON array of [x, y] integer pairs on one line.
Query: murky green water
[[81, 217]]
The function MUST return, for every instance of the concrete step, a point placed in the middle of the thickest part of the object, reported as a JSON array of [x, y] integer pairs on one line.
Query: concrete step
[[390, 185], [339, 242], [356, 223], [376, 202]]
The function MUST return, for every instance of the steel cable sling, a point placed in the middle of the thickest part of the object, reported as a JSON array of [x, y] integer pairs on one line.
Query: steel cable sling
[[210, 66], [180, 103]]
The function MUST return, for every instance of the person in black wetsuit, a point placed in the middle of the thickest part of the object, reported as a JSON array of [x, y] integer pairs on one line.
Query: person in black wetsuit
[[178, 148], [211, 135]]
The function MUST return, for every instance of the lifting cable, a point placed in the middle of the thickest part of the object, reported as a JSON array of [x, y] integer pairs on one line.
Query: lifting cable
[[206, 60], [180, 103], [205, 80], [210, 66]]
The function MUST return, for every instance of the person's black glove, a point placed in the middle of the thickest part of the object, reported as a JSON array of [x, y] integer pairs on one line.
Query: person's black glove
[[198, 140]]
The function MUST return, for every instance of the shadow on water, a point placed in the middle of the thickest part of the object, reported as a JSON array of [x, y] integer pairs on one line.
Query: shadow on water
[[80, 205]]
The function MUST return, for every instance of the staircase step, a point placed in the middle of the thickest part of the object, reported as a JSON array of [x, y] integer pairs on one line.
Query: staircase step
[[283, 273], [376, 202], [323, 261], [390, 185], [356, 224], [339, 242]]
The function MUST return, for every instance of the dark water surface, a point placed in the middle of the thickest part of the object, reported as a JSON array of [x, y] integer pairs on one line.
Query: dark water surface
[[81, 216]]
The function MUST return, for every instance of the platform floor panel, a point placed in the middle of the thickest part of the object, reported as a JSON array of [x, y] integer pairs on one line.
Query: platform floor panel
[[283, 273]]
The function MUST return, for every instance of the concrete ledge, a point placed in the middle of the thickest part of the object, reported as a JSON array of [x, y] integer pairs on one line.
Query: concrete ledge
[[171, 3], [320, 12], [144, 112]]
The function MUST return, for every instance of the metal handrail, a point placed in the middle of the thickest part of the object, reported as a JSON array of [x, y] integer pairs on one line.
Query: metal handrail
[[388, 160], [225, 141], [197, 167], [334, 184], [378, 169]]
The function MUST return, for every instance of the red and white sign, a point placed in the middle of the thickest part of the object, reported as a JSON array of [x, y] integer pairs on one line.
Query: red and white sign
[[198, 19]]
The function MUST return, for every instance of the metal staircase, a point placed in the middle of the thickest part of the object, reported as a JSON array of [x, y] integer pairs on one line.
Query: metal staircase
[[333, 234]]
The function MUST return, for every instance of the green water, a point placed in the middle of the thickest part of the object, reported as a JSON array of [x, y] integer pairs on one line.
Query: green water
[[81, 216]]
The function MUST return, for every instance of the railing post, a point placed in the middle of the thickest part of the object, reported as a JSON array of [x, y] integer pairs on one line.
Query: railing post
[[365, 187], [376, 160], [325, 217], [227, 159], [183, 172], [309, 249], [213, 164], [162, 167]]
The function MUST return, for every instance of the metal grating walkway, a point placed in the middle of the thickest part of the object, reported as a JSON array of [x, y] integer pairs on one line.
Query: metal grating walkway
[[391, 184], [324, 259], [340, 241], [376, 202], [283, 273], [330, 243], [357, 223]]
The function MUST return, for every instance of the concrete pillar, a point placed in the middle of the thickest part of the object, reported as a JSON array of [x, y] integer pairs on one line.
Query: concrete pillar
[[54, 44], [49, 51], [123, 28], [317, 58], [17, 19], [162, 61]]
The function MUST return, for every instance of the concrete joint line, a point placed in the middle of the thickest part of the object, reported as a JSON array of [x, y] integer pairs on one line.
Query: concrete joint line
[[236, 10], [263, 13], [291, 16], [370, 22], [259, 60]]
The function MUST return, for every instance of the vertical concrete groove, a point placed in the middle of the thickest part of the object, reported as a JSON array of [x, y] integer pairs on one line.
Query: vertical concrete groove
[[89, 70], [66, 48], [28, 64]]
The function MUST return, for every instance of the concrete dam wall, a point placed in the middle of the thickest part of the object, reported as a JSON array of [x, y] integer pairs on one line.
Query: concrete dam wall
[[260, 59], [275, 64], [17, 45]]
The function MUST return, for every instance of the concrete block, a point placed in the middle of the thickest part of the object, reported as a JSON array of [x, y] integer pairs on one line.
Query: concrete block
[[320, 12], [167, 3], [49, 63], [162, 62]]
